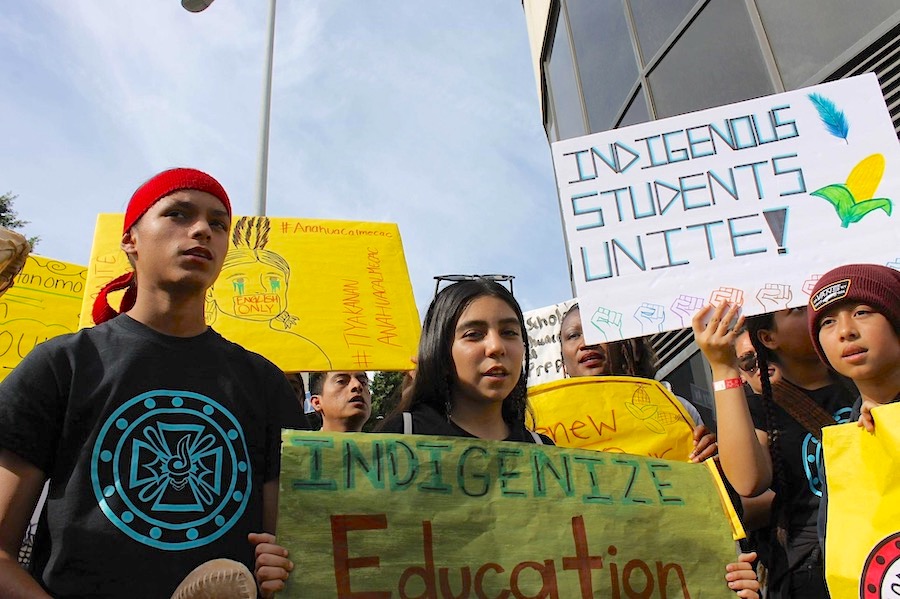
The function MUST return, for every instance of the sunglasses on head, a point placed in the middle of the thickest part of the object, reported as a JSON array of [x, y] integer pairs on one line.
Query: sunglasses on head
[[748, 362], [457, 278]]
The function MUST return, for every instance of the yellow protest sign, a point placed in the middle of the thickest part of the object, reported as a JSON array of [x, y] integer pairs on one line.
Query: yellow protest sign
[[613, 413], [862, 544], [43, 302], [307, 294], [382, 516]]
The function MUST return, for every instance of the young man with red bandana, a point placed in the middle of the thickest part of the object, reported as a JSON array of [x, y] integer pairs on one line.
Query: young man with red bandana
[[159, 438]]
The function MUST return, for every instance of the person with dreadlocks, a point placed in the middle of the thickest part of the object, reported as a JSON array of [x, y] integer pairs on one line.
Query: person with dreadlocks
[[631, 357], [253, 289], [773, 440]]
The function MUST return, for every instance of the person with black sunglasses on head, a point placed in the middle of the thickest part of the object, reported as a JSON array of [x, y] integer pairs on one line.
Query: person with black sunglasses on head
[[470, 371], [470, 382]]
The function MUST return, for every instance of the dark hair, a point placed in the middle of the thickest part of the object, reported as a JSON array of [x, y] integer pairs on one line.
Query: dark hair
[[435, 370], [764, 356], [316, 382], [629, 357]]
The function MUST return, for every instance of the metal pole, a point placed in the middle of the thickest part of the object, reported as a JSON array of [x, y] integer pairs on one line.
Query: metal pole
[[262, 165]]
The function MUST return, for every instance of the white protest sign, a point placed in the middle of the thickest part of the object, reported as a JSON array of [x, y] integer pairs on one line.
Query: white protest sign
[[542, 327], [748, 203]]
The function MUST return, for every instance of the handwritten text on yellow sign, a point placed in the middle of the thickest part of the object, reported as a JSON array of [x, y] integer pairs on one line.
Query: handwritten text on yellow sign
[[43, 303], [610, 413], [307, 294]]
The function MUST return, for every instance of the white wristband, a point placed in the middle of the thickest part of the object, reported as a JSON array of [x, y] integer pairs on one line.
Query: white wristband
[[727, 384]]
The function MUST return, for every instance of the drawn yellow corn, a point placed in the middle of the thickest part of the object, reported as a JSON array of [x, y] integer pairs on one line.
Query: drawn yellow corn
[[865, 177], [667, 418], [640, 397]]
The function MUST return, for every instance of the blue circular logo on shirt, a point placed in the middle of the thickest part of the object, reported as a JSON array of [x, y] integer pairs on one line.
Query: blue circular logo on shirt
[[171, 469], [811, 452]]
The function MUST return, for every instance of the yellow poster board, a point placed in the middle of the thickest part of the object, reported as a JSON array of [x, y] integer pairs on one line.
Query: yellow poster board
[[377, 516], [307, 294], [862, 544], [613, 413], [43, 302]]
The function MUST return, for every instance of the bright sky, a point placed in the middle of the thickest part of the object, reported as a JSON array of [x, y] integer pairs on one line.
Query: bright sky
[[423, 114]]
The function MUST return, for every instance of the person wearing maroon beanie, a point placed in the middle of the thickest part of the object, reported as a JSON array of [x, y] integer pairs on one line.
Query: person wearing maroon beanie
[[854, 323], [159, 438]]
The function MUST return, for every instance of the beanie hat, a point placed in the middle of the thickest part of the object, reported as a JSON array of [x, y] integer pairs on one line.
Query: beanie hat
[[158, 187], [870, 284]]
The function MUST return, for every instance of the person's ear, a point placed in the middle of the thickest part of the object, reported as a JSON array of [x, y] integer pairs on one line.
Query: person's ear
[[127, 243], [768, 340], [316, 402]]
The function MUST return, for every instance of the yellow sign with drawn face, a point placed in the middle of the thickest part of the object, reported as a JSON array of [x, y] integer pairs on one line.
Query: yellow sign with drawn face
[[613, 413], [307, 294], [43, 303]]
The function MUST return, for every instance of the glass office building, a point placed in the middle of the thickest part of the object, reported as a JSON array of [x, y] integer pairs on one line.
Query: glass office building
[[602, 64]]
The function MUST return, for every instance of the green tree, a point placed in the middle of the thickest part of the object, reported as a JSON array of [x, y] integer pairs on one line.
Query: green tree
[[9, 218], [385, 395]]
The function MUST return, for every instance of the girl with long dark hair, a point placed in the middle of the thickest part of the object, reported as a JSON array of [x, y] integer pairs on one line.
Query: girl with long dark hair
[[470, 375], [470, 382]]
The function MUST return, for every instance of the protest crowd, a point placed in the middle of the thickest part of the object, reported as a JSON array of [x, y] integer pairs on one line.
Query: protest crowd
[[153, 368]]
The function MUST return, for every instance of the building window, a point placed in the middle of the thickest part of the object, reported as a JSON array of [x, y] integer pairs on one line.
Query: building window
[[562, 84], [806, 35], [637, 111], [716, 61], [655, 21], [604, 56]]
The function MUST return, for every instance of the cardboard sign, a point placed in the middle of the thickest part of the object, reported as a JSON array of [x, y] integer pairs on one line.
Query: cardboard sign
[[382, 516], [615, 414], [543, 327], [747, 203], [307, 294], [862, 544], [43, 303]]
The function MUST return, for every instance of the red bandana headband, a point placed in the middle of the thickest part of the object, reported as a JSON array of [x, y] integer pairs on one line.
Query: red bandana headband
[[158, 187]]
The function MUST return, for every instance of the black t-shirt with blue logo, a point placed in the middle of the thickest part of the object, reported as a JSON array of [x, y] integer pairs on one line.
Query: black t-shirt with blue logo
[[801, 455], [156, 448]]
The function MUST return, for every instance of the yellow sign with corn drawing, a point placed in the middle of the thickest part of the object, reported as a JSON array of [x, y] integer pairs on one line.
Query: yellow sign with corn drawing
[[862, 544], [307, 294], [43, 302], [615, 414], [381, 516]]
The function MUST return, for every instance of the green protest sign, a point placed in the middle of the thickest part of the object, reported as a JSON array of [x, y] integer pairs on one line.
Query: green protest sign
[[378, 516]]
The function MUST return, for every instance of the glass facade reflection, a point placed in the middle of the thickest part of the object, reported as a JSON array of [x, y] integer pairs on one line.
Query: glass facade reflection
[[612, 63], [605, 59], [718, 54]]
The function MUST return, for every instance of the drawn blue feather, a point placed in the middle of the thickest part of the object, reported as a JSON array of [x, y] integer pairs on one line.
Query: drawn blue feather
[[833, 119]]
